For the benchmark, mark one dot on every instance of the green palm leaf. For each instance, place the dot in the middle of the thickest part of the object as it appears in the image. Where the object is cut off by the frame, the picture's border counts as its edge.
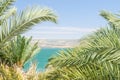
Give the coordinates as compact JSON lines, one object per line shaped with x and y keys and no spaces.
{"x":98,"y":59}
{"x":7,"y":15}
{"x":19,"y":51}
{"x":5,"y":5}
{"x":111,"y":18}
{"x":105,"y":71}
{"x":22,"y":22}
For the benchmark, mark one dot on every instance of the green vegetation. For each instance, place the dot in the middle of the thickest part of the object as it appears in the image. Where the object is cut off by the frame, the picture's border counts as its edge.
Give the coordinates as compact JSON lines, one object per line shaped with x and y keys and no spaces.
{"x":16,"y":50}
{"x":96,"y":58}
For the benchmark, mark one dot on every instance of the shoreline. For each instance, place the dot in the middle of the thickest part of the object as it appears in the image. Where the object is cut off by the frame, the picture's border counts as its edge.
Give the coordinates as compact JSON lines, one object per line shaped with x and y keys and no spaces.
{"x":59,"y":43}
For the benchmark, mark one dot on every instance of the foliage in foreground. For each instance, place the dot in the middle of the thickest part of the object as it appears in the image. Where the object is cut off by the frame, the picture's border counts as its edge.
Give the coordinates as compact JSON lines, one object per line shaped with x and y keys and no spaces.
{"x":97,"y":57}
{"x":16,"y":50}
{"x":13,"y":24}
{"x":19,"y":51}
{"x":16,"y":73}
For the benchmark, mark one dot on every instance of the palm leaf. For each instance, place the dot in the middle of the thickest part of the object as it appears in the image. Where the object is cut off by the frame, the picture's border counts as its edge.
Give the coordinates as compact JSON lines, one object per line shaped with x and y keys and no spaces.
{"x":5,"y":5}
{"x":22,"y":22}
{"x":9,"y":73}
{"x":111,"y":18}
{"x":19,"y":51}
{"x":98,"y":59}
{"x":104,"y":45}
{"x":10,"y":12}
{"x":93,"y":71}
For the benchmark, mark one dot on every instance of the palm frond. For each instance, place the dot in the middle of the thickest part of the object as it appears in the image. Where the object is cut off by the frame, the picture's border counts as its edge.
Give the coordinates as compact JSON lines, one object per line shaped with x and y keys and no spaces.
{"x":9,"y":73}
{"x":32,"y":74}
{"x":5,"y":5}
{"x":18,"y":51}
{"x":10,"y":12}
{"x":93,"y":71}
{"x":111,"y":18}
{"x":98,"y":59}
{"x":103,"y":45}
{"x":22,"y":22}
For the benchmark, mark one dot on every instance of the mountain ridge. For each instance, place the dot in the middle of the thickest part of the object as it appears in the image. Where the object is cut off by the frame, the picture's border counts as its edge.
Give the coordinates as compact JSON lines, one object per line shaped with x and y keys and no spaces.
{"x":56,"y":43}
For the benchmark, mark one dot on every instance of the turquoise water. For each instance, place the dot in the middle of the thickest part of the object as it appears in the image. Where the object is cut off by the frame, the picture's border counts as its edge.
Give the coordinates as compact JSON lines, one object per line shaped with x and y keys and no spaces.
{"x":42,"y":58}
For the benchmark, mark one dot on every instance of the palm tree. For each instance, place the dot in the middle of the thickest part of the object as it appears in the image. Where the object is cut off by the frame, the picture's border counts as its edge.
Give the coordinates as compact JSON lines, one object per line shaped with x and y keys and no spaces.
{"x":97,"y":59}
{"x":15,"y":49}
{"x":18,"y":51}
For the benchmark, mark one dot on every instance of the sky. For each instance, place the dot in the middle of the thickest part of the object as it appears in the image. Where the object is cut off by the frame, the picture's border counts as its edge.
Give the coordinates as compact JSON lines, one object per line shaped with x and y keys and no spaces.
{"x":76,"y":18}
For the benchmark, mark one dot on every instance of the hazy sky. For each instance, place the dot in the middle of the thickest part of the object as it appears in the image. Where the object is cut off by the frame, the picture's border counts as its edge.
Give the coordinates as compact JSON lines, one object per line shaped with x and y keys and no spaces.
{"x":75,"y":17}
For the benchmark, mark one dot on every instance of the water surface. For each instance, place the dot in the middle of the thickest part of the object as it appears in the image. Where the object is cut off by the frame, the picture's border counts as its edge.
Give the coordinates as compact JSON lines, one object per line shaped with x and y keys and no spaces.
{"x":42,"y":58}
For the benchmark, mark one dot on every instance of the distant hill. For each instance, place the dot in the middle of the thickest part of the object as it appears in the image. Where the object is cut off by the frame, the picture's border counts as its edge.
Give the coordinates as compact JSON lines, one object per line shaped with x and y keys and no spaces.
{"x":58,"y":43}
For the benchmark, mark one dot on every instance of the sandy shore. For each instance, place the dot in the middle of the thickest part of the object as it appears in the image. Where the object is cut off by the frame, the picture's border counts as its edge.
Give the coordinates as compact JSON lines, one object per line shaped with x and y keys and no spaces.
{"x":56,"y":43}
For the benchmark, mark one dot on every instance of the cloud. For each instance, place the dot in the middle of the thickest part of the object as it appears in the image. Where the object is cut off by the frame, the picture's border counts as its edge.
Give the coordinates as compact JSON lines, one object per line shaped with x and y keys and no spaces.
{"x":62,"y":30}
{"x":56,"y":32}
{"x":48,"y":32}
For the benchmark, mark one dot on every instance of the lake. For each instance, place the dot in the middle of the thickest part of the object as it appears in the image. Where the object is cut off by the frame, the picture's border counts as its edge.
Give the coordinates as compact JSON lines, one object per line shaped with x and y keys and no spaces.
{"x":42,"y":58}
